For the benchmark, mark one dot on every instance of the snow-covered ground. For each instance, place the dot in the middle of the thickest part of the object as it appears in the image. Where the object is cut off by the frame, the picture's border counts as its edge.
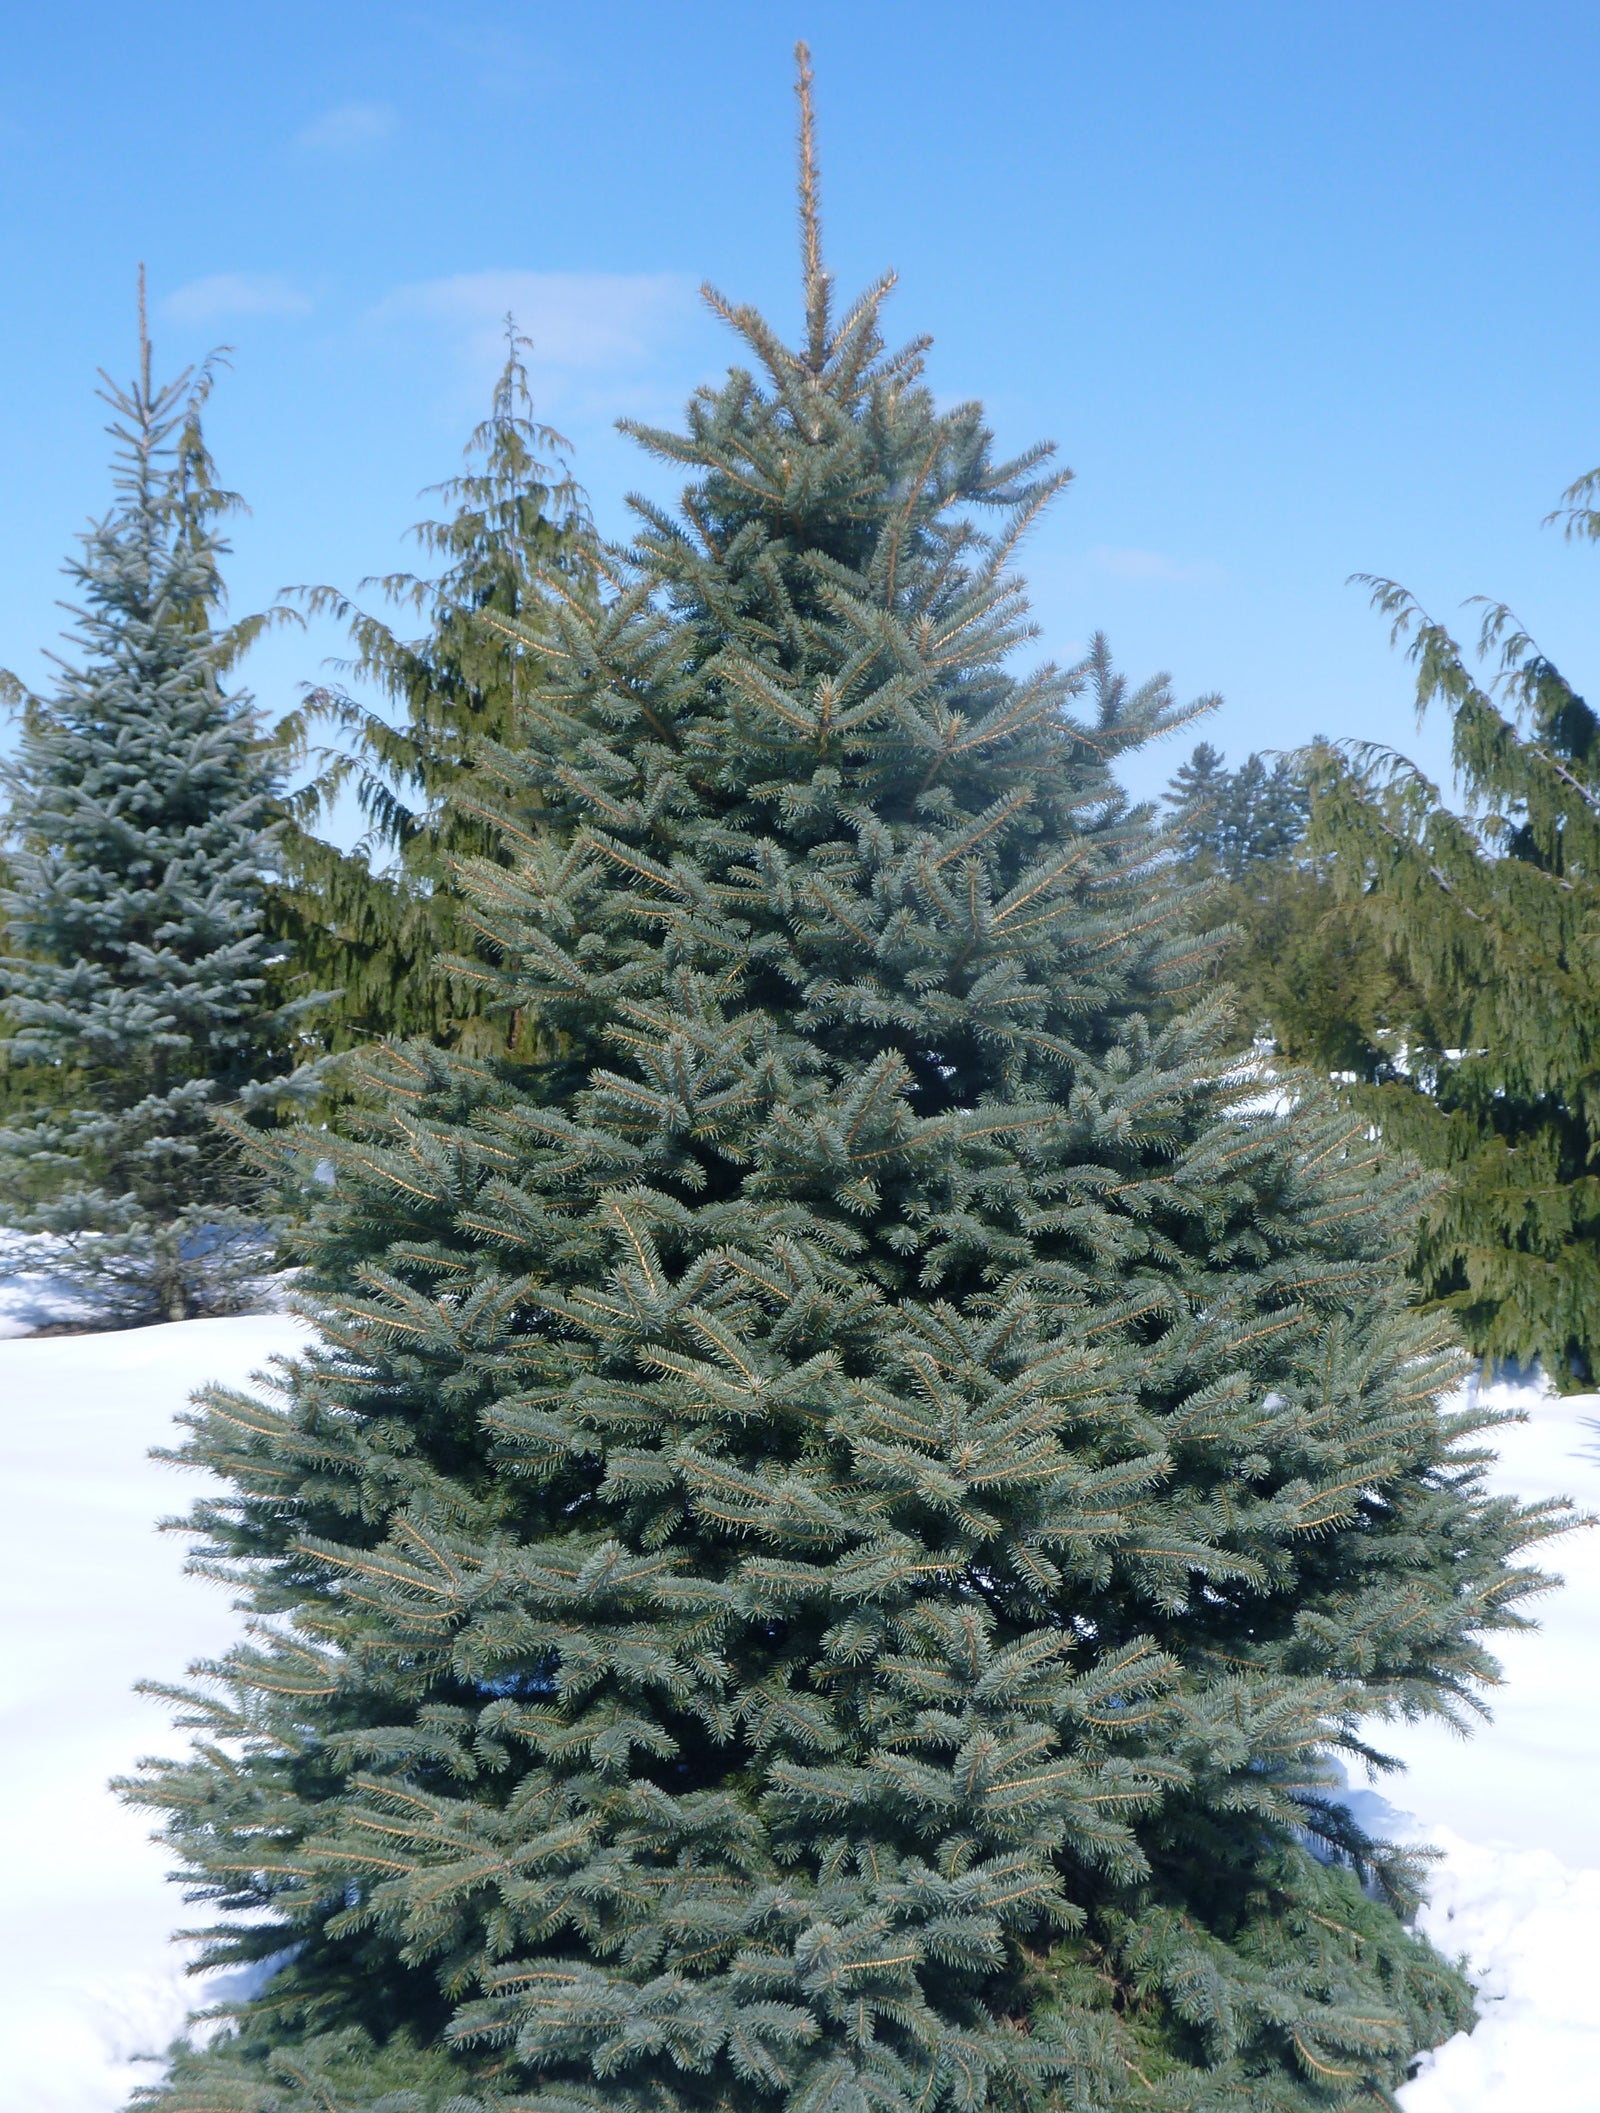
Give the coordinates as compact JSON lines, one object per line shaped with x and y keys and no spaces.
{"x":92,"y":1599}
{"x":1516,"y":1810}
{"x":31,"y":1294}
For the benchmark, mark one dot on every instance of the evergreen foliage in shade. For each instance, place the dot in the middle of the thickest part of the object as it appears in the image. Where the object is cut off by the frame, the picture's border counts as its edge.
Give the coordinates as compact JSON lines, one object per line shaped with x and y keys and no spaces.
{"x":1231,"y":820}
{"x":1193,"y":792}
{"x":140,"y":994}
{"x":1494,"y":916}
{"x":838,"y":1513}
{"x":1313,"y":972}
{"x":381,"y":937}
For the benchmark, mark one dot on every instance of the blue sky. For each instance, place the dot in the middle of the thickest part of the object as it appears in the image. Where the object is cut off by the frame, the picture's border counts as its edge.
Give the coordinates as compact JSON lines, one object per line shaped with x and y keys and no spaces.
{"x":1300,"y":290}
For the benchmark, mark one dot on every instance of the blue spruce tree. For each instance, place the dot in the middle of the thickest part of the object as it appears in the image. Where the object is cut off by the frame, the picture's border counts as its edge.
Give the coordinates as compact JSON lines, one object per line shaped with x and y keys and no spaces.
{"x":139,"y":996}
{"x":839,"y":1517}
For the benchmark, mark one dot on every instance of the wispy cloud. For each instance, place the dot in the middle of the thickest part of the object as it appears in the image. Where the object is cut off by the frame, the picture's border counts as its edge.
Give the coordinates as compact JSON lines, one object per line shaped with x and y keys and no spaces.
{"x":502,"y":60}
{"x":234,"y":293}
{"x":605,"y":345}
{"x":1153,"y":566}
{"x":349,"y":129}
{"x":581,"y":321}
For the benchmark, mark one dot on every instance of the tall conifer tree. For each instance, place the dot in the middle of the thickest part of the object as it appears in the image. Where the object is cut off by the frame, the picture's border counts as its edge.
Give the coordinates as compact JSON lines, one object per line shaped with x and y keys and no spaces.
{"x":1312,"y":970}
{"x":1230,"y":821}
{"x":377,"y":924}
{"x":138,"y":987}
{"x":838,"y":1516}
{"x":1492,"y":1070}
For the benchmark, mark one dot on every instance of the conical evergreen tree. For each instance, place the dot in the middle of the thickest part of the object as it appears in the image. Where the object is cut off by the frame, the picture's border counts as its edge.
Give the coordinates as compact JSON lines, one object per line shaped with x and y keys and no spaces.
{"x":1492,"y":1070}
{"x":1193,"y":793}
{"x":1312,"y":970}
{"x":836,"y":1519}
{"x":138,"y":987}
{"x":377,"y":924}
{"x":1229,"y":821}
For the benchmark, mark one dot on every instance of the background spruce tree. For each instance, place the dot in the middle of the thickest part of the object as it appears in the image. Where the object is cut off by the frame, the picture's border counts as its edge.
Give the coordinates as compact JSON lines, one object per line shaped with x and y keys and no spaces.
{"x":1229,"y":821}
{"x":377,"y":924}
{"x":1493,"y":1058}
{"x":839,"y":1516}
{"x":1194,"y":792}
{"x":1312,"y":970}
{"x":138,"y":986}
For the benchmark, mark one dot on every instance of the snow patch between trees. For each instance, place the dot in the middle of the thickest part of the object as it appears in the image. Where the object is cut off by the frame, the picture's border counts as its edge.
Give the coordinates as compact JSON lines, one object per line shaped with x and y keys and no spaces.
{"x":92,"y":1599}
{"x":89,"y":1983}
{"x":1530,"y":1927}
{"x":33,"y":1293}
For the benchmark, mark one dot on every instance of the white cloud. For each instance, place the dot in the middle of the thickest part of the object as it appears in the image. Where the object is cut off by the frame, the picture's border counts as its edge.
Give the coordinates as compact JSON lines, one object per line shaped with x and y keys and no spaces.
{"x":582,"y":322}
{"x":1151,"y":565}
{"x":349,"y":128}
{"x":230,"y":293}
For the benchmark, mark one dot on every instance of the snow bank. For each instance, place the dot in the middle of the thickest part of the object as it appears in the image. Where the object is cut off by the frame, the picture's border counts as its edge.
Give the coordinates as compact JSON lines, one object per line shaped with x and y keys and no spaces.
{"x":1530,"y":1780}
{"x":1516,"y":1810}
{"x":31,"y":1294}
{"x":1529,"y":1926}
{"x":93,"y":1599}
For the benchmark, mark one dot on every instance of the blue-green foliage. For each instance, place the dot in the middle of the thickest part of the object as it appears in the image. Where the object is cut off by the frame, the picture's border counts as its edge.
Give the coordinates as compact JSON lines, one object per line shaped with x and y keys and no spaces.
{"x":136,"y":985}
{"x":836,"y":1521}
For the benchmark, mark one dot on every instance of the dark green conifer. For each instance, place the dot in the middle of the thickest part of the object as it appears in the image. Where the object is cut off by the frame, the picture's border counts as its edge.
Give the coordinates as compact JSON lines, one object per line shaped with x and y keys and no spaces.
{"x":1230,"y":821}
{"x":139,"y":992}
{"x":838,"y":1517}
{"x":1193,"y":793}
{"x":1313,"y":972}
{"x":378,"y":923}
{"x":1493,"y":1051}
